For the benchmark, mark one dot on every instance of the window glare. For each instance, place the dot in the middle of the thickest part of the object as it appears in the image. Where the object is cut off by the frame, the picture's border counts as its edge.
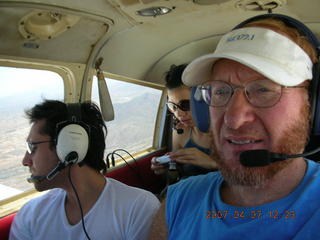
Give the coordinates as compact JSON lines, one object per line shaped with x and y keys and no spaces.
{"x":135,"y":109}
{"x":20,"y":89}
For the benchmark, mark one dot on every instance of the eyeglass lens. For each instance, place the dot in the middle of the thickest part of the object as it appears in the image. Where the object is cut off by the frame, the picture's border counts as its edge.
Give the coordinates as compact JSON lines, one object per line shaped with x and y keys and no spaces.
{"x":260,"y":93}
{"x":31,"y":145}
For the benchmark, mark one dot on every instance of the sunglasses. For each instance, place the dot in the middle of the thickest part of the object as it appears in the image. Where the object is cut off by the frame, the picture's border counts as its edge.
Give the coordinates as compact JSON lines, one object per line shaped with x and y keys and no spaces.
{"x":31,"y":146}
{"x":183,"y":105}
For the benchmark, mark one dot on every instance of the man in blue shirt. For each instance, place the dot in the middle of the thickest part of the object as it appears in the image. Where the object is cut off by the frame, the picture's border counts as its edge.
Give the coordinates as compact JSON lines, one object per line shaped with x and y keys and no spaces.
{"x":256,"y":83}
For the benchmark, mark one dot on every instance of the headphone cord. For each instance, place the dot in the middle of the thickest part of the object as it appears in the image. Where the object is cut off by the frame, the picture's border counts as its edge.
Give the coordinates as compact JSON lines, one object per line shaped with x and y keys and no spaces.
{"x":129,"y":165}
{"x":78,"y":199}
{"x":136,"y":171}
{"x":120,"y":149}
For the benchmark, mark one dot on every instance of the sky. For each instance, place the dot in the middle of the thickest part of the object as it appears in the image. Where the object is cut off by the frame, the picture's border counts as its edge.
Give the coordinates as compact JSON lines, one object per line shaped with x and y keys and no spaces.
{"x":17,"y":80}
{"x":21,"y":83}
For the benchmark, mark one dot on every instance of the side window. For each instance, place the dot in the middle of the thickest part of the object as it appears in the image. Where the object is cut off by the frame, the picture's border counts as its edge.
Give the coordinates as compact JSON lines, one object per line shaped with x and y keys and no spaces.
{"x":135,"y":109}
{"x":20,"y":89}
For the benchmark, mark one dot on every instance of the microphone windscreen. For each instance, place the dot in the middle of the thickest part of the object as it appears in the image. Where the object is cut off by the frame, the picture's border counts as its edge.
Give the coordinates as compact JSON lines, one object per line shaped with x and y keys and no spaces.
{"x":179,"y":131}
{"x":34,"y":179}
{"x":255,"y":158}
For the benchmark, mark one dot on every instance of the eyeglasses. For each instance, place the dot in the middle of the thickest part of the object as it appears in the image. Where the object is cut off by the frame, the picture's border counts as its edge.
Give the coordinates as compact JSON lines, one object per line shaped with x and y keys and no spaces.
{"x":260,"y":93}
{"x":32,"y":145}
{"x":183,"y":105}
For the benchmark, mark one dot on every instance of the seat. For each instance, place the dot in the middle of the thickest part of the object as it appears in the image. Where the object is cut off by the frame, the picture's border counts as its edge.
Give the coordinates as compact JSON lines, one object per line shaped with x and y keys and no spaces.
{"x":5,"y":225}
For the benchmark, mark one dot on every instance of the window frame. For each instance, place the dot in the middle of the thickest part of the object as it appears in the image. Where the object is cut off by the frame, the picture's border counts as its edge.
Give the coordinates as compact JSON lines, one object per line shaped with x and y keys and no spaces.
{"x":160,"y":124}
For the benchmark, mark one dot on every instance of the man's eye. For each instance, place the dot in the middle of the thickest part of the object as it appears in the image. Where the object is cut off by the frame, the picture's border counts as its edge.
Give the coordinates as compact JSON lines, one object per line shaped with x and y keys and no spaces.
{"x":220,"y":92}
{"x":33,"y":149}
{"x":263,"y":89}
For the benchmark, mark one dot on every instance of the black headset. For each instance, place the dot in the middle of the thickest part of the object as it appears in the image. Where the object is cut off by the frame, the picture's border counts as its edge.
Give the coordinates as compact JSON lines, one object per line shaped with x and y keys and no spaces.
{"x":314,"y":88}
{"x":72,"y":137}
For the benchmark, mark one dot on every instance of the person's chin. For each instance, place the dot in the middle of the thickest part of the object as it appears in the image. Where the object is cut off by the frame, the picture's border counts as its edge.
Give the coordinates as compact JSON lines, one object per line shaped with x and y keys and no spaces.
{"x":42,"y":186}
{"x":39,"y":187}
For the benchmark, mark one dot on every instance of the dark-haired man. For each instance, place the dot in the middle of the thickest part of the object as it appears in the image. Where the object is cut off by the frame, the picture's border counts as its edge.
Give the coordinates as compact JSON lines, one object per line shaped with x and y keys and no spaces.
{"x":65,"y":154}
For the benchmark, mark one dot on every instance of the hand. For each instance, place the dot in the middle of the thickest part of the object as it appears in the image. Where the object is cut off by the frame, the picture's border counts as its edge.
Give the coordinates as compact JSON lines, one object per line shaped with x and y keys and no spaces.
{"x":195,"y":157}
{"x":158,"y":168}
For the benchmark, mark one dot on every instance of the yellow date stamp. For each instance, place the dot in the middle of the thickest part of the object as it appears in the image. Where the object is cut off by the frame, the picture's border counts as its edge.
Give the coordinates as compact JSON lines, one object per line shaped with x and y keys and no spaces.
{"x":255,"y":214}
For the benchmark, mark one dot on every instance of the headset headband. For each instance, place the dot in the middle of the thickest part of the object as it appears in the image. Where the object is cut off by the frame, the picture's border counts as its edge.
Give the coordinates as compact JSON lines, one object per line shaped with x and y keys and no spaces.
{"x":291,"y":22}
{"x":74,"y":112}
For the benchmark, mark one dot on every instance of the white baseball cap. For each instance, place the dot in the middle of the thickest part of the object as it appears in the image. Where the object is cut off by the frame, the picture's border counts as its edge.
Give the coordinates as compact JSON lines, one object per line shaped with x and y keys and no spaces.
{"x":273,"y":55}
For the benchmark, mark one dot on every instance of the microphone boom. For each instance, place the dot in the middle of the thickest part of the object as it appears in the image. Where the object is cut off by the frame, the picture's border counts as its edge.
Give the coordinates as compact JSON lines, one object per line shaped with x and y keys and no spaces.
{"x":262,"y":157}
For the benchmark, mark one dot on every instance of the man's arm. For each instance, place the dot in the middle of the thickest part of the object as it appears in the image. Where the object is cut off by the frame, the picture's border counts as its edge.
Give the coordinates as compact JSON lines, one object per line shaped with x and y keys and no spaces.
{"x":159,"y":229}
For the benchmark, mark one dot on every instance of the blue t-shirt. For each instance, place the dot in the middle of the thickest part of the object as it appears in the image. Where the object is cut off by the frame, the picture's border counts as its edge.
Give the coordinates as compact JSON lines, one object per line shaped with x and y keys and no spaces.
{"x":194,"y":210}
{"x":190,"y":169}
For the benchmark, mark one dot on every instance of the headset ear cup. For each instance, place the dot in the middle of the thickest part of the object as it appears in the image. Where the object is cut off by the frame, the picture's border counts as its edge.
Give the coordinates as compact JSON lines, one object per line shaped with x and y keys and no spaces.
{"x":72,"y":144}
{"x":199,"y":110}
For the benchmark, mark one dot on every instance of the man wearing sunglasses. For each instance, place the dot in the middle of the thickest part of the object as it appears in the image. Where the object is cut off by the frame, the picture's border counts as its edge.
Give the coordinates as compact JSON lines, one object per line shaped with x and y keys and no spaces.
{"x":256,"y":84}
{"x":67,"y":157}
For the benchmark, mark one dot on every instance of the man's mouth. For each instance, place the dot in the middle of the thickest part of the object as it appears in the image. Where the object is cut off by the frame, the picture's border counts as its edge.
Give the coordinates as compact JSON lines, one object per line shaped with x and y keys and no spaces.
{"x":242,"y":142}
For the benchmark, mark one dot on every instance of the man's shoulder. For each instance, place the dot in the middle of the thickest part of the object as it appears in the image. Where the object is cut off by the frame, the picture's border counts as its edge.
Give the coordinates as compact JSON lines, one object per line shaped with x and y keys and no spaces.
{"x":313,"y":168}
{"x":312,"y":163}
{"x":198,"y":179}
{"x":42,"y":204}
{"x":196,"y":184}
{"x":46,"y":198}
{"x":126,"y":192}
{"x":186,"y":194}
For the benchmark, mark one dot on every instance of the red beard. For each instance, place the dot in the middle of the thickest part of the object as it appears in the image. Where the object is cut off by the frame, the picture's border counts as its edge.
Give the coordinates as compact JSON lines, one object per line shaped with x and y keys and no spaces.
{"x":293,"y":141}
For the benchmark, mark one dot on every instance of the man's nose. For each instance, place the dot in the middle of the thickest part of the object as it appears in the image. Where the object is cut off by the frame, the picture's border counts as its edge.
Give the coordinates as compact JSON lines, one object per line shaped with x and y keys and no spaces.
{"x":179,"y":112}
{"x":27,"y":161}
{"x":238,"y":110}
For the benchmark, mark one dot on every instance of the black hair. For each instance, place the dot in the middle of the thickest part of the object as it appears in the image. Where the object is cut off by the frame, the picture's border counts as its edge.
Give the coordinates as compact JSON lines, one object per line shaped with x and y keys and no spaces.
{"x":173,"y":76}
{"x":54,"y":112}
